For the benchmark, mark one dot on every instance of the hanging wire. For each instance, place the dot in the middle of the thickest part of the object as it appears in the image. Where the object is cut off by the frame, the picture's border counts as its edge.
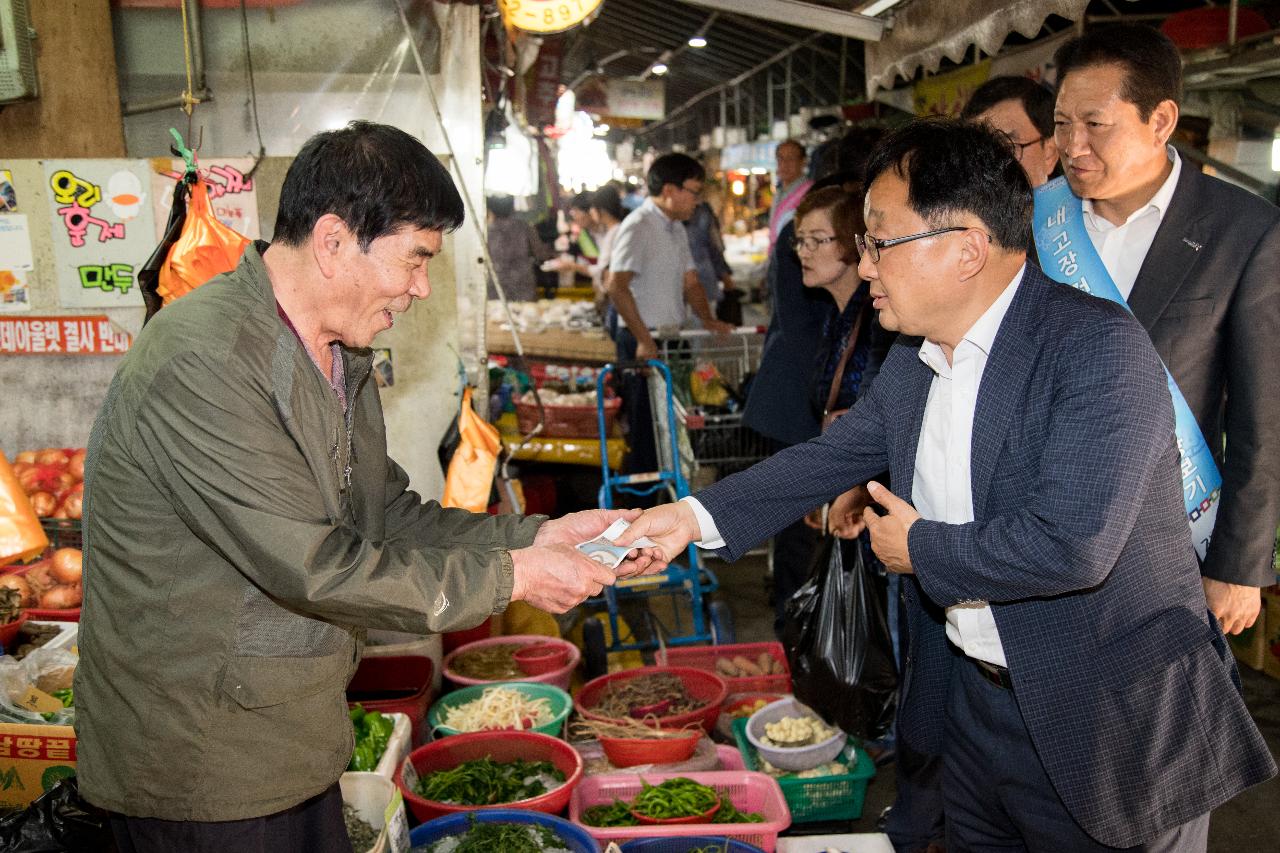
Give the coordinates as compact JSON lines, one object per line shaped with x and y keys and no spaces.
{"x":253,"y":90}
{"x":189,"y":99}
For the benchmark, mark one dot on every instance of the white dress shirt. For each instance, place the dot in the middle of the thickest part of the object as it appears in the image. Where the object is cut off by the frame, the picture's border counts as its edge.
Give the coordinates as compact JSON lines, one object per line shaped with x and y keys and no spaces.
{"x":1124,"y":247}
{"x":943,"y":489}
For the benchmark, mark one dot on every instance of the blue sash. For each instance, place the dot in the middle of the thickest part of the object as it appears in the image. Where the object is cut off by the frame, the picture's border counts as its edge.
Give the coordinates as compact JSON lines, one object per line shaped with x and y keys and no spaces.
{"x":1067,"y":255}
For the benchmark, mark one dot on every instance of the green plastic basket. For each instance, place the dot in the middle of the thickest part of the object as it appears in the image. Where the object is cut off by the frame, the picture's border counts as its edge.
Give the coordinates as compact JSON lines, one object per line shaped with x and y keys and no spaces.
{"x":561,"y":705}
{"x":823,"y":797}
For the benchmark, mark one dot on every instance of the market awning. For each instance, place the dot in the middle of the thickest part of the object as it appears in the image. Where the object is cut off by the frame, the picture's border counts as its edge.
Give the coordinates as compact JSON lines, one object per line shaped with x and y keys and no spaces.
{"x":922,"y":38}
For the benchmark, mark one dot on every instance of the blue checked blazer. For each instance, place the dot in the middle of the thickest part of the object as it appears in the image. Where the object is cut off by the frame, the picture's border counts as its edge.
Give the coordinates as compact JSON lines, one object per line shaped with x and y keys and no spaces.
{"x":1080,"y":544}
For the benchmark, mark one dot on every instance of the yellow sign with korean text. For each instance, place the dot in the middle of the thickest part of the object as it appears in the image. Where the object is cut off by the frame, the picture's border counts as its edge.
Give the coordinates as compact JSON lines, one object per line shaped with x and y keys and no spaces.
{"x":946,"y":94}
{"x":547,"y":16}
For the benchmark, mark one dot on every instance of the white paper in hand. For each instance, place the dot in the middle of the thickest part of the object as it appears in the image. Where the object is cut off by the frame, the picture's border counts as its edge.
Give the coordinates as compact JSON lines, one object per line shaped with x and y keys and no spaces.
{"x":602,"y":550}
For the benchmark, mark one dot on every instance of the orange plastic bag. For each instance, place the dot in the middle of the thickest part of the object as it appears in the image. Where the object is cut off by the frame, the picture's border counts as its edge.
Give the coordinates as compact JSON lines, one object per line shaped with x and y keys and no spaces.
{"x":21,"y":536}
{"x":205,"y":248}
{"x":470,"y":477}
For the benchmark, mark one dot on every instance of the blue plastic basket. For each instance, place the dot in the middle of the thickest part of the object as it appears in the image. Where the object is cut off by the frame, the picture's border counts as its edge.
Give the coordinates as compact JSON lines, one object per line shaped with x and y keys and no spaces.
{"x":685,"y":845}
{"x":575,"y":837}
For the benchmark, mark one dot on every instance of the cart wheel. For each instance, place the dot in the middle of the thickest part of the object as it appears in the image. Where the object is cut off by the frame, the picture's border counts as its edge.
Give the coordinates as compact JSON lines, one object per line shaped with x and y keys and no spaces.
{"x":721,"y":623}
{"x":594,"y":654}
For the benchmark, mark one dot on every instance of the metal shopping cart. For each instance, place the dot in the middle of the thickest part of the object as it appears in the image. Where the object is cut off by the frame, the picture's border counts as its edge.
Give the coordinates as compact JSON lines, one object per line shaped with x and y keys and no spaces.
{"x":688,"y":433}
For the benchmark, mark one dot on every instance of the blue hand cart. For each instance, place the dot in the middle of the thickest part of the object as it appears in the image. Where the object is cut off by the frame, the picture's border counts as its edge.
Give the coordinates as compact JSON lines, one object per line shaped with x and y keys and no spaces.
{"x":696,"y":618}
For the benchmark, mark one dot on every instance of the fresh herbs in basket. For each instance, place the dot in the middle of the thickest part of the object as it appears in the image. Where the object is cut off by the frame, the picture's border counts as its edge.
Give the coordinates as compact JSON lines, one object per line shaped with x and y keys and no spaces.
{"x":496,"y":837}
{"x":373,"y":733}
{"x":485,"y":782}
{"x":675,"y":798}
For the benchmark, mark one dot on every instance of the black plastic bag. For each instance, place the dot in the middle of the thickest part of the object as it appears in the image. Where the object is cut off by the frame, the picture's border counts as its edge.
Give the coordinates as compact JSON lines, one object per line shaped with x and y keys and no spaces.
{"x":838,"y":644}
{"x":58,"y":821}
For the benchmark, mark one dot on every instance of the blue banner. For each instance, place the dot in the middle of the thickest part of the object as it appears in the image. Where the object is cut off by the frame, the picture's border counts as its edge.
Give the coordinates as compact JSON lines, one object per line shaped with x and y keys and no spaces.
{"x":1067,"y":255}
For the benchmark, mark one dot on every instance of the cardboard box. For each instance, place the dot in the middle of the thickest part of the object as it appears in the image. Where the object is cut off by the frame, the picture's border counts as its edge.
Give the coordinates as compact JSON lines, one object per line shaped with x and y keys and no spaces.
{"x":1271,"y":632}
{"x":32,"y":759}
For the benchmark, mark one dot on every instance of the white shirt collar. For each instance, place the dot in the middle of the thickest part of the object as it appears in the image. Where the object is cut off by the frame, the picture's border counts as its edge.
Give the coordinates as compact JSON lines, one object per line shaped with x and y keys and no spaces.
{"x":1158,"y":202}
{"x":652,"y":207}
{"x":982,"y":334}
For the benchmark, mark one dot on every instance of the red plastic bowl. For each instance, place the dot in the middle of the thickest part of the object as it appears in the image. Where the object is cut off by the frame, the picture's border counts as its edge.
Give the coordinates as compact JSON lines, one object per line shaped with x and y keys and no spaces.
{"x":632,"y":751}
{"x":541,"y":658}
{"x":702,"y":686}
{"x":10,"y":630}
{"x":447,"y":753}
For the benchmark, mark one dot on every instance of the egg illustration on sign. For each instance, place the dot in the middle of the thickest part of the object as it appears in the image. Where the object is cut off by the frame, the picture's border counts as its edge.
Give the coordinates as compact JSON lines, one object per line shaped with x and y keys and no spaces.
{"x":124,"y":195}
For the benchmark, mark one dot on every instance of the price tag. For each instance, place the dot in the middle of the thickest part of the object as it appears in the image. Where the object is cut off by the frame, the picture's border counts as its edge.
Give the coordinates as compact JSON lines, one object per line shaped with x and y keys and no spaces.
{"x":39,"y":702}
{"x":396,"y":824}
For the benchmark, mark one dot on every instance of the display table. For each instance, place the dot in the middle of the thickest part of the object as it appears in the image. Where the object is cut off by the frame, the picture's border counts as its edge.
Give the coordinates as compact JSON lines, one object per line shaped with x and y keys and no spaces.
{"x":591,"y":346}
{"x":573,"y":451}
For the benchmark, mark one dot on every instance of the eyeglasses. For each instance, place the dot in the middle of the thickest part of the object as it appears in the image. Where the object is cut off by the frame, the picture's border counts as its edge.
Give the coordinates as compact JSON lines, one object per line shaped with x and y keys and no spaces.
{"x":694,"y":193}
{"x":1019,"y":148}
{"x":810,"y":244}
{"x":868,"y":245}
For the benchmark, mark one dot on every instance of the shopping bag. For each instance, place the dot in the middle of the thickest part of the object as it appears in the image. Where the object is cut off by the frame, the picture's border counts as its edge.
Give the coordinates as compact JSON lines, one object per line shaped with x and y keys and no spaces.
{"x":838,"y":645}
{"x":469,"y":480}
{"x":58,"y":820}
{"x":204,"y":249}
{"x":21,"y":536}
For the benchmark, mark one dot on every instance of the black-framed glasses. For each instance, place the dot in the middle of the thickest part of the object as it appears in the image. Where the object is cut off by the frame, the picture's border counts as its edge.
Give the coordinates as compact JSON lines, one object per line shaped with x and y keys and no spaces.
{"x":1020,"y":148}
{"x":810,"y":244}
{"x":868,"y":245}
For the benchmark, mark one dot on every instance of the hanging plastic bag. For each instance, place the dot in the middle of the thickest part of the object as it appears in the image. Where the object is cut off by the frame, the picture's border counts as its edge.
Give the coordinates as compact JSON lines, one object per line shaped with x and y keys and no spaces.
{"x":469,"y":480}
{"x":148,"y":275}
{"x":205,"y":248}
{"x":21,"y":536}
{"x":838,"y":644}
{"x":59,"y":820}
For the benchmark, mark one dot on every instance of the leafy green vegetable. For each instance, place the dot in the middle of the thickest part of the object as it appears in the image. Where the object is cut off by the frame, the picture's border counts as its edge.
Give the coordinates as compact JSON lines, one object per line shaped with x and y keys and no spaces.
{"x":373,"y":734}
{"x":677,"y":797}
{"x":504,"y":838}
{"x":485,"y":782}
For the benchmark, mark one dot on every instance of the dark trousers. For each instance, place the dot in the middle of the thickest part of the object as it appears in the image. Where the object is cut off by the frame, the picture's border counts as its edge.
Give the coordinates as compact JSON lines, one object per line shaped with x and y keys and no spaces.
{"x":642,"y":452}
{"x":996,"y":793}
{"x":314,"y":826}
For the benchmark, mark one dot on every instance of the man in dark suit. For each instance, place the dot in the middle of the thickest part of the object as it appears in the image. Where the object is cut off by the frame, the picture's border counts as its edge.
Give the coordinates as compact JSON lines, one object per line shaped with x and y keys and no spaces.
{"x":1197,"y":260}
{"x":1062,"y":659}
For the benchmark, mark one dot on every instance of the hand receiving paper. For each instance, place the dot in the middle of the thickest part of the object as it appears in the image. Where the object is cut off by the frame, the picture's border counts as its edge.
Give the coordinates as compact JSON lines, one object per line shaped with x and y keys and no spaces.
{"x":579,"y":527}
{"x":671,"y":526}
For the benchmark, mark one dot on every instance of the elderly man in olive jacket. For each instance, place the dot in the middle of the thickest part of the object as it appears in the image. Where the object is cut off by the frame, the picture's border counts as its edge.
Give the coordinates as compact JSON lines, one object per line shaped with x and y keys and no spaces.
{"x":244,"y":524}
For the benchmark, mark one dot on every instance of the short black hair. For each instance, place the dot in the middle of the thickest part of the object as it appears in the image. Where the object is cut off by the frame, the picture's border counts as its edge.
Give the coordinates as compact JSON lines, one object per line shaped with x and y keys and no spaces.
{"x":607,"y":199}
{"x":1036,"y":100}
{"x":376,"y":178}
{"x":581,"y":201}
{"x":953,"y":166}
{"x":1151,"y":62}
{"x":853,"y":150}
{"x":501,"y":206}
{"x":804,"y":153}
{"x":674,"y":168}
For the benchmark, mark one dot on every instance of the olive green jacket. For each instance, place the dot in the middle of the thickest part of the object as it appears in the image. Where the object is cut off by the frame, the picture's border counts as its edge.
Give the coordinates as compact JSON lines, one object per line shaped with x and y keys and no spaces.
{"x":232,"y":563}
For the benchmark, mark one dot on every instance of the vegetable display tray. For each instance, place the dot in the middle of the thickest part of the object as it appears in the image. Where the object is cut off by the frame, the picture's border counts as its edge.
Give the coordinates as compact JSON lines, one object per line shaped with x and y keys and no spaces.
{"x":705,"y":657}
{"x":441,"y":828}
{"x":821,"y":798}
{"x":749,"y":792}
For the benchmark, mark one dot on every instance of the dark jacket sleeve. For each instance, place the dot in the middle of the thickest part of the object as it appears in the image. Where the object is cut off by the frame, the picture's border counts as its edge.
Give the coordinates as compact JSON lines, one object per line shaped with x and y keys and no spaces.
{"x":1242,"y":549}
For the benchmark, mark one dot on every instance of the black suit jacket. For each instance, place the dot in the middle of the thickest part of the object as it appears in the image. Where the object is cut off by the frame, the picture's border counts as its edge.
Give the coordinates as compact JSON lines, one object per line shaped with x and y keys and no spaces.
{"x":1209,"y":295}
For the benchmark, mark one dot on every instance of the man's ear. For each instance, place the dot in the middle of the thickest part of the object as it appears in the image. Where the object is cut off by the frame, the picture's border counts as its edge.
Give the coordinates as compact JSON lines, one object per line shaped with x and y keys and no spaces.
{"x":329,"y":239}
{"x":1163,"y":121}
{"x":975,"y":248}
{"x":1050,"y":150}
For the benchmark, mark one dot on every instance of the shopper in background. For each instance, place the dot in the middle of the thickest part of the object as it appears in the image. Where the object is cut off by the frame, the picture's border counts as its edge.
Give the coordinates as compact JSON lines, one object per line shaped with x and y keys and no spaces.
{"x":1022,"y":110}
{"x":1062,"y":660}
{"x":586,"y":244}
{"x":1196,"y":258}
{"x":651,"y":279}
{"x":243,"y":524}
{"x":514,"y":248}
{"x":791,"y":186}
{"x":706,"y":244}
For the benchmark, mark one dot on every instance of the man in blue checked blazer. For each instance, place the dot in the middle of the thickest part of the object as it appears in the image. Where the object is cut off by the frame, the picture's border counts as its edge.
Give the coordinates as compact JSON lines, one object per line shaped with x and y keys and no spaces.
{"x":1062,"y":661}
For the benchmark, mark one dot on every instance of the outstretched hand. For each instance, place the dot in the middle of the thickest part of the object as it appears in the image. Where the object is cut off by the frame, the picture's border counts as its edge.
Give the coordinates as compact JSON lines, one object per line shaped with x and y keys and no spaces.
{"x":889,"y":532}
{"x":578,"y":527}
{"x":672,"y":526}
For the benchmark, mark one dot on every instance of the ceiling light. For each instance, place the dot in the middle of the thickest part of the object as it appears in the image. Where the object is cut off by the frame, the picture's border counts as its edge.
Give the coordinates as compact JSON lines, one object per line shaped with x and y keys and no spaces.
{"x":658,"y":69}
{"x":697,"y":41}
